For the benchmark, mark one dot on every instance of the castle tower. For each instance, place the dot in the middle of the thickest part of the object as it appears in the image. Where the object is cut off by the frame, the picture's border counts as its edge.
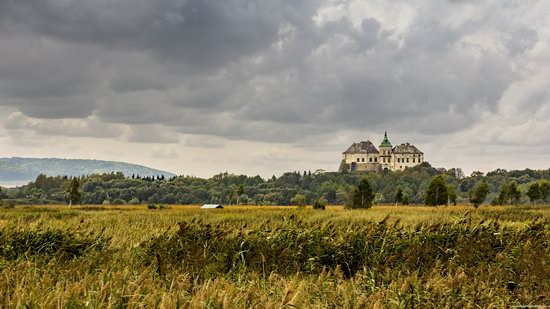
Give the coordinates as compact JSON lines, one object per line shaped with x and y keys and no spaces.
{"x":386,"y":153}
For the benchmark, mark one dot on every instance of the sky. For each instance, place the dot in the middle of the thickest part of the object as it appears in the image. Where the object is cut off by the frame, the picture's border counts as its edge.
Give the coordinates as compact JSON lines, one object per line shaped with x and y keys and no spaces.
{"x":198,"y":87}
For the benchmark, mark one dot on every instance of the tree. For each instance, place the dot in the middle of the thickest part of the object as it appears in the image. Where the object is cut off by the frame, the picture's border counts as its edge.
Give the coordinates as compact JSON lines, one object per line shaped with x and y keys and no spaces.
{"x":534,"y":192}
{"x":514,"y":194}
{"x":452,"y":195}
{"x":298,"y":200}
{"x":405,"y":200}
{"x":74,"y":194}
{"x":362,"y":196}
{"x":437,"y":193}
{"x":504,"y":194}
{"x":240,"y":191}
{"x":479,"y":194}
{"x":399,"y":196}
{"x":544,"y":187}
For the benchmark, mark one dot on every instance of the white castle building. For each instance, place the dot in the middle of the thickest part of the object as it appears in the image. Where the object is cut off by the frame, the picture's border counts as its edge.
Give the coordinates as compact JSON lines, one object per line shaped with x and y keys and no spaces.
{"x":364,"y":156}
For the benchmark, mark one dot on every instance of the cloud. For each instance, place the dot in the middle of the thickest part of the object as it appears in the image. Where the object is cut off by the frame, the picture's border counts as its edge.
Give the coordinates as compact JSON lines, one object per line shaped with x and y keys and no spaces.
{"x":89,"y":127}
{"x":150,"y":134}
{"x":285,"y":72}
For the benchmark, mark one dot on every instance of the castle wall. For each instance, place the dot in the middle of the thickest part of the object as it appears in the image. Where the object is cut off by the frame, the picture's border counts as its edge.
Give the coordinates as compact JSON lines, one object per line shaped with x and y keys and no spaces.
{"x":404,"y":160}
{"x":365,"y":167}
{"x":359,"y":158}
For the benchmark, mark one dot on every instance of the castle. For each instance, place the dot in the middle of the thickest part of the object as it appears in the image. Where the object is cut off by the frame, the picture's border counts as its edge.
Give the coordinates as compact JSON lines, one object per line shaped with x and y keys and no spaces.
{"x":364,"y":156}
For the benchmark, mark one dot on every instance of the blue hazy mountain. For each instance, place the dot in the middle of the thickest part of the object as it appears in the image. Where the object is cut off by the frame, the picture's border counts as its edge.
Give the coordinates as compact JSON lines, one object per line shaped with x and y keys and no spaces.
{"x":16,"y":171}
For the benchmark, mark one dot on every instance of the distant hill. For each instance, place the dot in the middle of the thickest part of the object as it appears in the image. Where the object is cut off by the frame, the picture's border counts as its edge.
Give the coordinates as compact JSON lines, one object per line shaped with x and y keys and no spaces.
{"x":17,"y":171}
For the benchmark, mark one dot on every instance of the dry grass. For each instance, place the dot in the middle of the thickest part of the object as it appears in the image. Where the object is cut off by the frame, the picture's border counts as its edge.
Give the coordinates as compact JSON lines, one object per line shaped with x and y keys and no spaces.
{"x":265,"y":256}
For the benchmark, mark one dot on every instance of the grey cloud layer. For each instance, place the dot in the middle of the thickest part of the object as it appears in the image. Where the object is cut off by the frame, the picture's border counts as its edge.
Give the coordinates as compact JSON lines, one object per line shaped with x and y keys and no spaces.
{"x":262,"y":70}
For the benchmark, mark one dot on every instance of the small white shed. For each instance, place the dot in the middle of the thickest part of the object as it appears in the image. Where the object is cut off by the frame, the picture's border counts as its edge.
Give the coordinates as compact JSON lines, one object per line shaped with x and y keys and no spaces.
{"x":211,"y":206}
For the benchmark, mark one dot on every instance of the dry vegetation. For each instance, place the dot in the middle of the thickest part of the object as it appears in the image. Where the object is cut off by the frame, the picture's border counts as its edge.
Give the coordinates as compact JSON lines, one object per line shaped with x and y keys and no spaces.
{"x":274,"y":257}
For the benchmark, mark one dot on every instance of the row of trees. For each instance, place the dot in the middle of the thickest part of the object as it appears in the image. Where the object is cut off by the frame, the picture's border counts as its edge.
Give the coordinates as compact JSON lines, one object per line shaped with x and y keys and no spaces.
{"x":439,"y":193}
{"x":418,"y":185}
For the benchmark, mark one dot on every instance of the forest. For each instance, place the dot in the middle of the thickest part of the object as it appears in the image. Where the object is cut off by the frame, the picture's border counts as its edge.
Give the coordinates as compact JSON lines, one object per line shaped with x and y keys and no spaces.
{"x":334,"y":188}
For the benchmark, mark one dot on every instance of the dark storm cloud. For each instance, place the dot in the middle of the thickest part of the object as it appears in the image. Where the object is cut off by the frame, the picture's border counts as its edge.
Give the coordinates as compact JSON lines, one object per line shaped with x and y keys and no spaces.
{"x":201,"y":33}
{"x":256,"y":70}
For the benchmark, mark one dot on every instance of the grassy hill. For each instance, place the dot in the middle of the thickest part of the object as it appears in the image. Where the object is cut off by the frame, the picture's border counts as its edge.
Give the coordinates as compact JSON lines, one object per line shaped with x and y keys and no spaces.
{"x":22,"y":170}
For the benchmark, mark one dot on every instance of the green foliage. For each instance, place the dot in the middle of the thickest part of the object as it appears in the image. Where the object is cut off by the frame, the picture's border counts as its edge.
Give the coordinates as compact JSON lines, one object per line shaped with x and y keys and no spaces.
{"x":362,"y":196}
{"x":544,"y":187}
{"x":118,"y":201}
{"x":534,"y":192}
{"x":239,"y":193}
{"x":225,"y":188}
{"x":3,"y":194}
{"x":405,"y":200}
{"x":514,"y":193}
{"x":320,"y":204}
{"x":29,"y":243}
{"x":479,"y":194}
{"x":298,"y":200}
{"x":437,"y":193}
{"x":134,"y":201}
{"x":504,"y":195}
{"x":509,"y":194}
{"x":399,"y":196}
{"x":451,"y":193}
{"x":74,"y":195}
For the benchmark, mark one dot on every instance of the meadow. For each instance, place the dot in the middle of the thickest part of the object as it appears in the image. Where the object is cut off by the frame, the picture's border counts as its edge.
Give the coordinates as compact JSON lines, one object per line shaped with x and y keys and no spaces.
{"x":274,"y":257}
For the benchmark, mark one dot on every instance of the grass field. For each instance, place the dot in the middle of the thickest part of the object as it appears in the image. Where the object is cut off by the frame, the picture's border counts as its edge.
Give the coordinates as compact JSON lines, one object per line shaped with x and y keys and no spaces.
{"x":273,"y":257}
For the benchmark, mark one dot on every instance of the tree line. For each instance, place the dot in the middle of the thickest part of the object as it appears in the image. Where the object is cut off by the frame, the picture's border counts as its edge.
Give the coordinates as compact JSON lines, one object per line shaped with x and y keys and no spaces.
{"x":422,"y":184}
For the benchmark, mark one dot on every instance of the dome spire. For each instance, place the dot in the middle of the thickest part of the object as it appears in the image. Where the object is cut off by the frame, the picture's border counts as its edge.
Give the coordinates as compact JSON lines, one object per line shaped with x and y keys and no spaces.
{"x":386,"y":141}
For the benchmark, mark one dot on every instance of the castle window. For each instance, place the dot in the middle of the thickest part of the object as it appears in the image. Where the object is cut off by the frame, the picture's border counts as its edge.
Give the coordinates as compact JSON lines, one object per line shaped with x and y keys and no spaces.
{"x":362,"y":159}
{"x":407,"y":160}
{"x":370,"y":159}
{"x":414,"y":160}
{"x":358,"y":160}
{"x":375,"y":159}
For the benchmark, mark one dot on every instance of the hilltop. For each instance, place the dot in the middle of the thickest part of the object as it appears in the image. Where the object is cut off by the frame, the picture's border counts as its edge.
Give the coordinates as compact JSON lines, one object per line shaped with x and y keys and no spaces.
{"x":16,"y":171}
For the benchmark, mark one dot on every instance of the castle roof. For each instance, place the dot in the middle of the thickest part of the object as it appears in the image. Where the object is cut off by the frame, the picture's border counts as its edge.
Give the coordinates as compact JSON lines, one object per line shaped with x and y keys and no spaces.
{"x":385,"y":141}
{"x":362,"y":147}
{"x":406,"y":148}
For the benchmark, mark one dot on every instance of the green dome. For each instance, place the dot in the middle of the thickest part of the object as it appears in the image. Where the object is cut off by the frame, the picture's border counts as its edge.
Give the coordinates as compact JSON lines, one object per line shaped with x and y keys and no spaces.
{"x":386,"y":141}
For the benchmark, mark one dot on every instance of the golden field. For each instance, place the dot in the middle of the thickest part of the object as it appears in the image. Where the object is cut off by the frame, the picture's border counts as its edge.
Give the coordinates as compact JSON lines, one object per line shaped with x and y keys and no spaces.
{"x":273,"y":257}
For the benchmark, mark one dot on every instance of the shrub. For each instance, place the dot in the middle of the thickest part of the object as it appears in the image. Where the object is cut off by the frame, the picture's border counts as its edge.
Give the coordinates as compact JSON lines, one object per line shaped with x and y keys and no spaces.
{"x":151,"y":206}
{"x":320,"y":203}
{"x":213,"y":250}
{"x":134,"y":201}
{"x":18,"y":243}
{"x":118,"y":201}
{"x":298,"y":200}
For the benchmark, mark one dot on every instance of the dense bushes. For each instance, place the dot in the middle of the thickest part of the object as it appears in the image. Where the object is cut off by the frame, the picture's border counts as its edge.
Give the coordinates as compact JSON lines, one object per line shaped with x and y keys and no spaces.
{"x":479,"y":249}
{"x":274,"y":257}
{"x":28,"y":243}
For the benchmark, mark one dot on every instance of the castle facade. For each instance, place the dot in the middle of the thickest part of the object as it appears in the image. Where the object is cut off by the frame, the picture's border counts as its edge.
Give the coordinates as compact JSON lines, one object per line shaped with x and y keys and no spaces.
{"x":364,"y":156}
